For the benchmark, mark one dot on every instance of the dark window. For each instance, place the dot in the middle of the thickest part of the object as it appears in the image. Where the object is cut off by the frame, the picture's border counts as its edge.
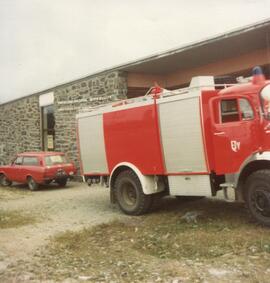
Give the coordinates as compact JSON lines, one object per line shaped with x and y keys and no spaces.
{"x":30,"y":161}
{"x":229,"y":111}
{"x":48,"y":122}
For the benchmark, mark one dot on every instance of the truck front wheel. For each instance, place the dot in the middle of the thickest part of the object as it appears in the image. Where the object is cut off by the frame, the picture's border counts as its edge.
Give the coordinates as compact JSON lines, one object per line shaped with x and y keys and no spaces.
{"x":129,"y":195}
{"x":258,"y":196}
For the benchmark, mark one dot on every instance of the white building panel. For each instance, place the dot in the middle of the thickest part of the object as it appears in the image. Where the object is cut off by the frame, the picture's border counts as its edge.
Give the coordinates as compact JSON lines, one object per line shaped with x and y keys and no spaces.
{"x":92,"y":146}
{"x":181,"y":135}
{"x":190,"y":185}
{"x":46,"y":99}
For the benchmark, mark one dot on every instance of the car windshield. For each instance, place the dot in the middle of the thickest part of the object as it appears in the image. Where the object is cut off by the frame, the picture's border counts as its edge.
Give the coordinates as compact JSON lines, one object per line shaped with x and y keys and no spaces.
{"x":55,"y":159}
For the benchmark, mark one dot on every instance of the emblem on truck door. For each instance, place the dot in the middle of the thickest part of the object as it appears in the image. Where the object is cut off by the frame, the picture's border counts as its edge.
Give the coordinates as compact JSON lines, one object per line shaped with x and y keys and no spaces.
{"x":235,"y":145}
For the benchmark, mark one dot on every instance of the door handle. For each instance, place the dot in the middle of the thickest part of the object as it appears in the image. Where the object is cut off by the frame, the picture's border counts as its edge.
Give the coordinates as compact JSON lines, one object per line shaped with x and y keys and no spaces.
{"x":219,"y":133}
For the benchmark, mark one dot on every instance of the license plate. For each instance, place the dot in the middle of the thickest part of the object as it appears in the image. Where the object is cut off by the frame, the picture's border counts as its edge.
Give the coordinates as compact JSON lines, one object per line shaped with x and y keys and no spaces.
{"x":61,"y":173}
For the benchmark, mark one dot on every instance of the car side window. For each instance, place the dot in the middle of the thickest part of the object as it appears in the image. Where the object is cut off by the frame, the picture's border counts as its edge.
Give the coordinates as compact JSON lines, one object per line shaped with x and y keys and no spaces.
{"x":18,"y":160}
{"x":30,"y":161}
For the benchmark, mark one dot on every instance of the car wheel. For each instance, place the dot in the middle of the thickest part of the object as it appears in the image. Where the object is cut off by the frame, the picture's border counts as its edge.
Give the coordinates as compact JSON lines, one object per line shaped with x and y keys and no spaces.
{"x":4,"y":181}
{"x":62,"y":182}
{"x":32,"y":184}
{"x":258,"y":196}
{"x":129,"y":195}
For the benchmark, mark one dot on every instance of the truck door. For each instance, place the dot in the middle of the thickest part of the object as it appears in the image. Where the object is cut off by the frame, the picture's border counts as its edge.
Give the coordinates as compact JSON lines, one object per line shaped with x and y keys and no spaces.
{"x":235,"y":132}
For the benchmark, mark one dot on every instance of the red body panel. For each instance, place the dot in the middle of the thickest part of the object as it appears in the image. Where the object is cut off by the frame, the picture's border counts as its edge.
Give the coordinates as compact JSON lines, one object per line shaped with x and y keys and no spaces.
{"x":245,"y":133}
{"x":40,"y":173}
{"x":220,"y":138}
{"x":207,"y":126}
{"x":132,"y":135}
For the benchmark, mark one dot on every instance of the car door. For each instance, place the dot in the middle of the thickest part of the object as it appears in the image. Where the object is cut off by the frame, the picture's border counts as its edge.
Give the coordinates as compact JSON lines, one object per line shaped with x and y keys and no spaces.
{"x":235,"y":132}
{"x":31,"y":167}
{"x":15,"y":169}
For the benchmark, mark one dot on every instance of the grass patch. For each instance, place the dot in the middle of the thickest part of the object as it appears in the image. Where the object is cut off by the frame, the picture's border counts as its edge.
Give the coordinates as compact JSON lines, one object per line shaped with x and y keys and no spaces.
{"x":13,"y":192}
{"x":14,"y":219}
{"x":140,"y":248}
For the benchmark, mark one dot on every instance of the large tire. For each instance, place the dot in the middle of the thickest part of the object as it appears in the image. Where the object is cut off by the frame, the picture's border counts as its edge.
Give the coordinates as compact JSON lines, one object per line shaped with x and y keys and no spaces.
{"x":4,"y":181}
{"x":129,"y":195}
{"x":32,"y":184}
{"x":258,"y":196}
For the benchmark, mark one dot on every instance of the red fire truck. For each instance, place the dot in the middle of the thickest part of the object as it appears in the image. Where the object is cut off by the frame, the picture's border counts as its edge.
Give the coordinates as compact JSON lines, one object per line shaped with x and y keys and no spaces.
{"x":187,"y":142}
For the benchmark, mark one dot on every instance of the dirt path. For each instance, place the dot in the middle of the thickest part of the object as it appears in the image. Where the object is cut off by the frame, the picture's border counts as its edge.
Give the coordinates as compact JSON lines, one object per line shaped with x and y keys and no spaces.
{"x":78,"y":206}
{"x":56,"y":210}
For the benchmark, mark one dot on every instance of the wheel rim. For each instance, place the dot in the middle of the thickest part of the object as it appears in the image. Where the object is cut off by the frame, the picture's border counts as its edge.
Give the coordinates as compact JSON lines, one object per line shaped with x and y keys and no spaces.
{"x":261,"y":202}
{"x":129,"y":195}
{"x":4,"y":181}
{"x":31,"y":184}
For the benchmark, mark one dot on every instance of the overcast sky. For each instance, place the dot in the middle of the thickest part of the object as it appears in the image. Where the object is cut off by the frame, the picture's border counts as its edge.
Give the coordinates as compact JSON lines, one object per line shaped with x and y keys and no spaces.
{"x":46,"y":43}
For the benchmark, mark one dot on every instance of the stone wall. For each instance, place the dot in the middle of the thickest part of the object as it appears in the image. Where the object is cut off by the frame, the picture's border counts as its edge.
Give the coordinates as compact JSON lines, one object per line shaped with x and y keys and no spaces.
{"x":69,"y":100}
{"x":19,"y":128}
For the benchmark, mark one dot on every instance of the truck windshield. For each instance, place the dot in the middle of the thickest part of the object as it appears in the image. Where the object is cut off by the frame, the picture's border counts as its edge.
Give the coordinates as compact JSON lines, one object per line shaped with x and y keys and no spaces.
{"x":55,"y":159}
{"x":265,"y":101}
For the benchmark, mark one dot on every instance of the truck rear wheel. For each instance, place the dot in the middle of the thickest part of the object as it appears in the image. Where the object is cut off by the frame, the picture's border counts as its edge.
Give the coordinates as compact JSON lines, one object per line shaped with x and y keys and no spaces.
{"x":129,"y":195}
{"x":258,"y":196}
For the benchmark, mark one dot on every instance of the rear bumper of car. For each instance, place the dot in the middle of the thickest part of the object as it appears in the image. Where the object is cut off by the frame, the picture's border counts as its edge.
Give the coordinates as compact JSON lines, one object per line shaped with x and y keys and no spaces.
{"x":59,"y":176}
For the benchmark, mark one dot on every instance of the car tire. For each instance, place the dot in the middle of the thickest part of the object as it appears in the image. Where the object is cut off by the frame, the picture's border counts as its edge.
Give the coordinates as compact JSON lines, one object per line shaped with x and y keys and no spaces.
{"x":258,"y":196}
{"x":32,"y":184}
{"x":62,"y":182}
{"x":129,"y":195}
{"x":4,"y":181}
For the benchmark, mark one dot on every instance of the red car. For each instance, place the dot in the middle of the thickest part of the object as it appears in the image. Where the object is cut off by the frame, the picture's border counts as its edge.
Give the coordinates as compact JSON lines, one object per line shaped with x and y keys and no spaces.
{"x":36,"y":168}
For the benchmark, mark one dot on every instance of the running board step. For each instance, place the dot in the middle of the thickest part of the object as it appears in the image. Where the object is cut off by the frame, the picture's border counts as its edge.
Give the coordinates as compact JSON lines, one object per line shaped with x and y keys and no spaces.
{"x":227,"y":185}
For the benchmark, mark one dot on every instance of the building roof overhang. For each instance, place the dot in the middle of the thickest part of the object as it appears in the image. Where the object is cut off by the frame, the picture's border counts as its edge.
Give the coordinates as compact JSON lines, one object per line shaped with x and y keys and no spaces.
{"x":223,"y":46}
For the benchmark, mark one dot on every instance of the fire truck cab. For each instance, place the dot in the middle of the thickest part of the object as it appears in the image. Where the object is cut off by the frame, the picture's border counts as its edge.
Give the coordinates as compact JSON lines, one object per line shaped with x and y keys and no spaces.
{"x":187,"y":142}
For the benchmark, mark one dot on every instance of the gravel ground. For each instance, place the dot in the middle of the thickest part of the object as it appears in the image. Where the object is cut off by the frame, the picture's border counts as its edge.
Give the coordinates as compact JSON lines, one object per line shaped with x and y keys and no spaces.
{"x":78,"y":206}
{"x":56,"y":209}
